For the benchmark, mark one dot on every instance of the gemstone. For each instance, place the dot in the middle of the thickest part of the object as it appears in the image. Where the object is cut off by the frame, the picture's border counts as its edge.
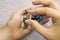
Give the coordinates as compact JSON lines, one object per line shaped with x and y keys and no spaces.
{"x":38,"y":17}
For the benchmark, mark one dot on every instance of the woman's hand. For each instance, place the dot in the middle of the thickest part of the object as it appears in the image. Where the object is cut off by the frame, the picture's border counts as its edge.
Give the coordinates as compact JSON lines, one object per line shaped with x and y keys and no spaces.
{"x":13,"y":27}
{"x":52,"y":10}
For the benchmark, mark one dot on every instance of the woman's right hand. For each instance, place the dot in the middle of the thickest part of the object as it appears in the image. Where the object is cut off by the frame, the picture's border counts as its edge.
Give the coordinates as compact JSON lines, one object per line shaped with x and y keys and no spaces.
{"x":53,"y":31}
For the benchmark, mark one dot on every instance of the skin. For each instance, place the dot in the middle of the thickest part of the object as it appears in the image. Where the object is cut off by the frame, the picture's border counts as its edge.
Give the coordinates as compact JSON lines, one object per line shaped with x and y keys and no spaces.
{"x":52,"y":10}
{"x":13,"y":30}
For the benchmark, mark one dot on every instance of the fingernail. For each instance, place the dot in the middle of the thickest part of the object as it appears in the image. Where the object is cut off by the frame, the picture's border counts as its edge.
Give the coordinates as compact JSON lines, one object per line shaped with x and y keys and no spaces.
{"x":28,"y":10}
{"x":28,"y":22}
{"x":34,"y":2}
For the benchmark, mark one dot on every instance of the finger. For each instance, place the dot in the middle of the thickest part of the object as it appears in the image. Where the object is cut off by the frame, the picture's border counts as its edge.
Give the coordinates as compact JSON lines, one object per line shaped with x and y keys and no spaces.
{"x":50,"y":3}
{"x":28,"y":29}
{"x":39,"y":28}
{"x":16,"y":22}
{"x":22,"y":11}
{"x":23,"y":32}
{"x":31,"y":7}
{"x":17,"y":18}
{"x":44,"y":11}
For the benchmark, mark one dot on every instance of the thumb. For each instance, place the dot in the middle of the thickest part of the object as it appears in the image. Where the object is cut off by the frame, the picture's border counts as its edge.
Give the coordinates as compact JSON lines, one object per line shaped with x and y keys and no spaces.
{"x":38,"y":27}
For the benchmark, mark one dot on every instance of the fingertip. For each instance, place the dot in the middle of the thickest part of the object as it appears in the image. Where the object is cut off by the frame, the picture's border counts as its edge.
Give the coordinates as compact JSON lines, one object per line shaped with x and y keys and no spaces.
{"x":21,"y":17}
{"x":31,"y":11}
{"x":28,"y":21}
{"x":35,"y":2}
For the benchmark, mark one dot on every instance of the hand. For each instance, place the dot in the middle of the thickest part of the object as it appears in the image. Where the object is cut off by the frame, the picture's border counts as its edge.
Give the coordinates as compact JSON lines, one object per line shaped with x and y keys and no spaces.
{"x":52,"y":10}
{"x":13,"y":29}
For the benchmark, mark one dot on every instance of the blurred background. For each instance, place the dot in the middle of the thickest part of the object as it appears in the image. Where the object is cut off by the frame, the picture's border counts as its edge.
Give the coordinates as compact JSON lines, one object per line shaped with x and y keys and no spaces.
{"x":8,"y":7}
